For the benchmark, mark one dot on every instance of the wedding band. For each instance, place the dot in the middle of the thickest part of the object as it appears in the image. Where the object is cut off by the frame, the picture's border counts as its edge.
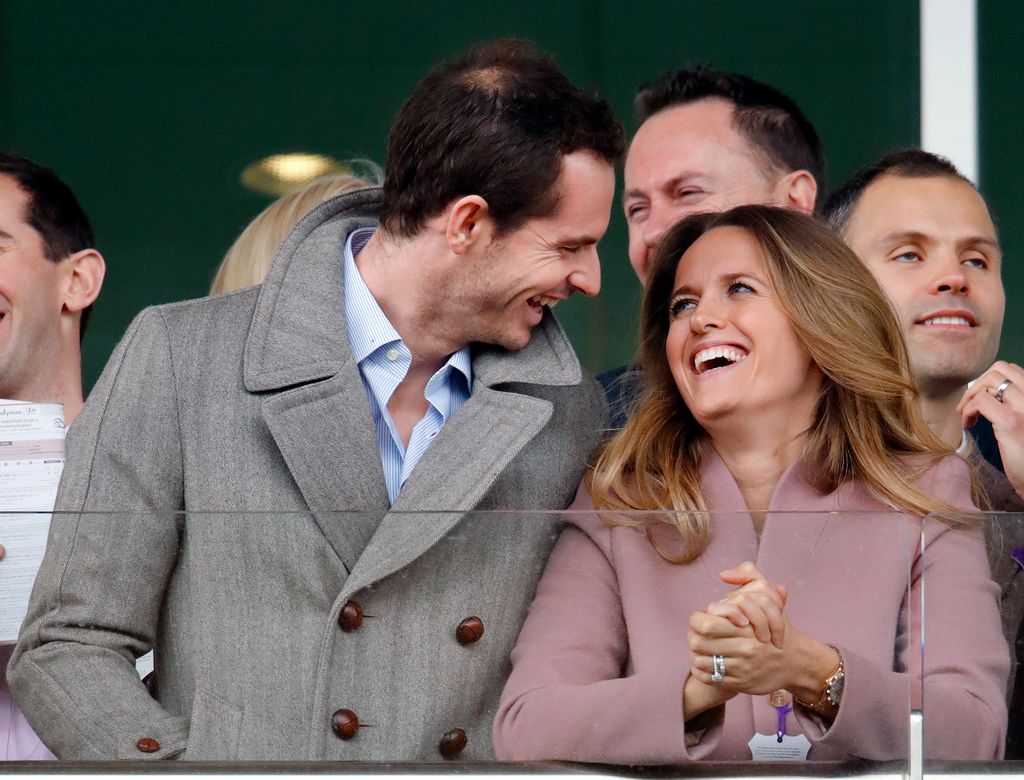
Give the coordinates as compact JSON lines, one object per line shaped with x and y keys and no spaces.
{"x":1002,"y":389}
{"x":718,"y":668}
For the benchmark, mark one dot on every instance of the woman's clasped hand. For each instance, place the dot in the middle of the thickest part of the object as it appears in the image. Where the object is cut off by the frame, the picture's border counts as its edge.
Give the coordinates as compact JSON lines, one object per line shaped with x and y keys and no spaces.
{"x":760,"y":651}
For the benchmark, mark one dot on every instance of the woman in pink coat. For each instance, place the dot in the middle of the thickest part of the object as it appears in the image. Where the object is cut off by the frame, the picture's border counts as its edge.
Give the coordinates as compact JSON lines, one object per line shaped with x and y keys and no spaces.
{"x":776,"y":381}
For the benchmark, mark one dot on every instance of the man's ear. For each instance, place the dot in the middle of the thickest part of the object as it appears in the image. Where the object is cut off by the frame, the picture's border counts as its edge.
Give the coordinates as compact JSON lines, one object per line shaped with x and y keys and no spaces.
{"x":469,"y":224}
{"x":83,"y":279}
{"x":798,"y":190}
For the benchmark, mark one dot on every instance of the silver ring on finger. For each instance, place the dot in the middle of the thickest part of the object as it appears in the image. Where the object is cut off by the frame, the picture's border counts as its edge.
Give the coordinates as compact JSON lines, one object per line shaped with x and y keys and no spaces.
{"x":998,"y":395}
{"x":717,"y":668}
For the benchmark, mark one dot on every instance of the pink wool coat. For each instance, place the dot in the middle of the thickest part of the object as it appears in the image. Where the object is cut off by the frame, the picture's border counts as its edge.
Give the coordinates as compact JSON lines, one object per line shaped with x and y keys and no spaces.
{"x":599,"y":668}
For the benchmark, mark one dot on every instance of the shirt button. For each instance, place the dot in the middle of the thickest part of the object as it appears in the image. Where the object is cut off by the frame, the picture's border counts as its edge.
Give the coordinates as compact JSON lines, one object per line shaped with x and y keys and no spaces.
{"x":391,"y":354}
{"x":147,"y":745}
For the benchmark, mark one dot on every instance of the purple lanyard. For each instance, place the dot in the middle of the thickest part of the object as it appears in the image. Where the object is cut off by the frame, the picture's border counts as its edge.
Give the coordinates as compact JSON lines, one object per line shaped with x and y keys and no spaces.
{"x":781,"y":700}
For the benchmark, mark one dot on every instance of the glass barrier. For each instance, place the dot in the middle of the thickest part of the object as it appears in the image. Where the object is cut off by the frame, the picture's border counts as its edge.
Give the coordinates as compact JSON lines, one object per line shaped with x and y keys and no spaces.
{"x":648,"y":643}
{"x":972,"y":689}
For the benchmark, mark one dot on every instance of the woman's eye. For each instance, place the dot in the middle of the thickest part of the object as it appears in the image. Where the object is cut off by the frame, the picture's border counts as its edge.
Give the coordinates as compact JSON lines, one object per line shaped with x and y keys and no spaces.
{"x":679,"y":305}
{"x":737,"y":287}
{"x":909,"y":256}
{"x":976,"y":262}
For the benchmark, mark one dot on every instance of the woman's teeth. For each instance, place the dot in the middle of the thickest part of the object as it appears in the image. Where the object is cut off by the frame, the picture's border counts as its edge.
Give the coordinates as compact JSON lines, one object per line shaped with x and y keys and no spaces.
{"x":716,"y":357}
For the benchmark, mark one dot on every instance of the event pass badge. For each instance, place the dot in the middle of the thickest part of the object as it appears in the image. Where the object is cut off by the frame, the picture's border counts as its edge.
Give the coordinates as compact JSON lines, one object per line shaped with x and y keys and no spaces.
{"x":779,"y":746}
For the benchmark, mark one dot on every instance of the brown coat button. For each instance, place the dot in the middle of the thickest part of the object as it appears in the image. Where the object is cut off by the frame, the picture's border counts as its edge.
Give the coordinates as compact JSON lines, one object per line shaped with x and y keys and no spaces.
{"x":469,"y":630}
{"x":147,"y":745}
{"x":345,"y":724}
{"x":452,"y":743}
{"x":351,"y":616}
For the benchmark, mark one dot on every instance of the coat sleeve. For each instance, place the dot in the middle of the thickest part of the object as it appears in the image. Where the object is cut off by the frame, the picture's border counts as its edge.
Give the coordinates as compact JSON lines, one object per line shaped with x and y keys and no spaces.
{"x":960,"y":674}
{"x":570,"y":695}
{"x":98,"y":593}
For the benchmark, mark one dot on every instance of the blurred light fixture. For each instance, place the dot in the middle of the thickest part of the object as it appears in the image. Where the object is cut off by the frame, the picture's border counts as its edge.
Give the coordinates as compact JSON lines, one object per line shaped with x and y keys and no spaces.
{"x":279,"y":174}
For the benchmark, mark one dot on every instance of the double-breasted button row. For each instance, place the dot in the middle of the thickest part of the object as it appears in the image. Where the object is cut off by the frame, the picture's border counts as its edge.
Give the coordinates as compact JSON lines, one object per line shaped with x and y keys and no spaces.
{"x":345,"y":724}
{"x":467,"y":632}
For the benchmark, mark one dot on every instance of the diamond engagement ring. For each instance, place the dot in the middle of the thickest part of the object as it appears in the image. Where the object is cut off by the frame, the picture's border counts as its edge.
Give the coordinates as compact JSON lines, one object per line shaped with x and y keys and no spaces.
{"x":1002,"y":389}
{"x":718,"y":668}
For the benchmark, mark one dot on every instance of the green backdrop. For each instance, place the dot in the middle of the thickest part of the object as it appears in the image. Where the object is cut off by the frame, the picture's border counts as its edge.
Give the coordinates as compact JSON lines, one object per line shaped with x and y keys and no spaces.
{"x":150,"y":111}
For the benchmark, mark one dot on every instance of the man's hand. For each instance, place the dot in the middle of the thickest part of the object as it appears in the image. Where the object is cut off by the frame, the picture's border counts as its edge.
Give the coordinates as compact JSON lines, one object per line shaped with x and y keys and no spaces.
{"x":1006,"y":415}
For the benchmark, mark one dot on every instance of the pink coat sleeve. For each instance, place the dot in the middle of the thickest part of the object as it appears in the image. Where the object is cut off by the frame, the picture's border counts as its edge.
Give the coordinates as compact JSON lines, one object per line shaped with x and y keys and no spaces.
{"x":965,"y":660}
{"x":567,"y":698}
{"x":18,"y":742}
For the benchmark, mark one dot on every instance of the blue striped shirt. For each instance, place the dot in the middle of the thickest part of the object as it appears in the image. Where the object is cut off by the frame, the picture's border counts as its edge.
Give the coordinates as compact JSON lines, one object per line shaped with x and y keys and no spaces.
{"x":384,"y":360}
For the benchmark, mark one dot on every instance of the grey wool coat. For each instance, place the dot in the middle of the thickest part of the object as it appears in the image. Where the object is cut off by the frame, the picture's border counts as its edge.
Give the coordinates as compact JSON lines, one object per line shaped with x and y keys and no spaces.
{"x":251,"y":403}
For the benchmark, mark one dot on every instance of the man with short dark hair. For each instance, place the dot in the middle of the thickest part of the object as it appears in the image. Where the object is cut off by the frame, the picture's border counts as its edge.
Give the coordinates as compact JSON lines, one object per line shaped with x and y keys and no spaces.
{"x":926,"y":234}
{"x":50,"y":274}
{"x":709,"y":140}
{"x":406,"y":375}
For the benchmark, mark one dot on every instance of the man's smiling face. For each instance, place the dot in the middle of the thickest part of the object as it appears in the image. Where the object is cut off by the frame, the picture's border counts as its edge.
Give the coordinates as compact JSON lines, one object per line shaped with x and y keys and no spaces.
{"x":931,"y":245}
{"x":30,"y":298}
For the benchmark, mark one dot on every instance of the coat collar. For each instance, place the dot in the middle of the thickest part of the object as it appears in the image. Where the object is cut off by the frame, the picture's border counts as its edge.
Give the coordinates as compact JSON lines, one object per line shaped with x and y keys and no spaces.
{"x":298,"y":331}
{"x":320,"y":418}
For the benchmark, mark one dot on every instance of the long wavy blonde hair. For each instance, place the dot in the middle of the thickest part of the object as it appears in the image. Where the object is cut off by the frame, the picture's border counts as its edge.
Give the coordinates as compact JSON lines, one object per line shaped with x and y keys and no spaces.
{"x":247,"y":261}
{"x":867,"y":423}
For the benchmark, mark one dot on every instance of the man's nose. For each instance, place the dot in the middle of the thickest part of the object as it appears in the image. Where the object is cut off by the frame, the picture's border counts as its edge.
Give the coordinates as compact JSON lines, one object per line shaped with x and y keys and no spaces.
{"x":951,"y":279}
{"x":586,"y":277}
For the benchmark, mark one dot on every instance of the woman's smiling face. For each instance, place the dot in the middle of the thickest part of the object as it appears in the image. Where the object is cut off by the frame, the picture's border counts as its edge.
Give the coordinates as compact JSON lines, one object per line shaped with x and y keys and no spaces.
{"x":731,"y":347}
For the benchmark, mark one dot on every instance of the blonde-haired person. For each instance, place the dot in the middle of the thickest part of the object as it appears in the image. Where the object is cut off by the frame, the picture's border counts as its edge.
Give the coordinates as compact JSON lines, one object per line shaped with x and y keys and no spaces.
{"x":247,"y":261}
{"x":777,"y":380}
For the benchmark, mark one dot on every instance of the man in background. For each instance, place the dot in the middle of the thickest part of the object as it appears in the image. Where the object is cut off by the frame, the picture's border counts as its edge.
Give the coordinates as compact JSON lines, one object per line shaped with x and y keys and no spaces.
{"x":926,"y":234}
{"x":50,"y":274}
{"x":709,"y":140}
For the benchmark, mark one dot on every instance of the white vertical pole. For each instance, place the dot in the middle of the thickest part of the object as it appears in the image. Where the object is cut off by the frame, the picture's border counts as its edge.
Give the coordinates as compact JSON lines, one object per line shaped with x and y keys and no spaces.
{"x":949,"y":82}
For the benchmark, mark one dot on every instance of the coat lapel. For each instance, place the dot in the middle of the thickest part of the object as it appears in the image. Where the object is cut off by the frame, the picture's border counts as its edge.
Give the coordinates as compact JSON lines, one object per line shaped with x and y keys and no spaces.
{"x":297,"y":353}
{"x":325,"y":433}
{"x":456,"y":472}
{"x":471,"y":452}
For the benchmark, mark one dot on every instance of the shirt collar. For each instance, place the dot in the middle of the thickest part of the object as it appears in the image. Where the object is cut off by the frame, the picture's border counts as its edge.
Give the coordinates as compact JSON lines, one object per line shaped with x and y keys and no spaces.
{"x":961,"y":450}
{"x":368,"y":326}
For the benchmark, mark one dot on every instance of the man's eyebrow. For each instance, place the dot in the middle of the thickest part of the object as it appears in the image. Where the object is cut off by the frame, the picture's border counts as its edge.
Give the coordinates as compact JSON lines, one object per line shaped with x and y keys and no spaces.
{"x":580,"y":240}
{"x":917,"y":237}
{"x":914,"y":236}
{"x":991,"y":243}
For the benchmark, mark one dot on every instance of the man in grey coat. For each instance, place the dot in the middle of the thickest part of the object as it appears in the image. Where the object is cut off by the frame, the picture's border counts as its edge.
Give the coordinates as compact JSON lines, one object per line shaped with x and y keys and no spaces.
{"x":382,"y":384}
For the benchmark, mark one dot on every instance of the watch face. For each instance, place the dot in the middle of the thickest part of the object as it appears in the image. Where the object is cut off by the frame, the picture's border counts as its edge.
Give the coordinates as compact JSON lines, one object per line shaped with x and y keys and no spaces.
{"x":835,"y":688}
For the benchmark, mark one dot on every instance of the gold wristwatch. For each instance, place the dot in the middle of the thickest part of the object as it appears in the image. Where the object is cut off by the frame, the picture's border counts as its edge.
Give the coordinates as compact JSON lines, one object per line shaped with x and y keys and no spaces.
{"x":832,"y":691}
